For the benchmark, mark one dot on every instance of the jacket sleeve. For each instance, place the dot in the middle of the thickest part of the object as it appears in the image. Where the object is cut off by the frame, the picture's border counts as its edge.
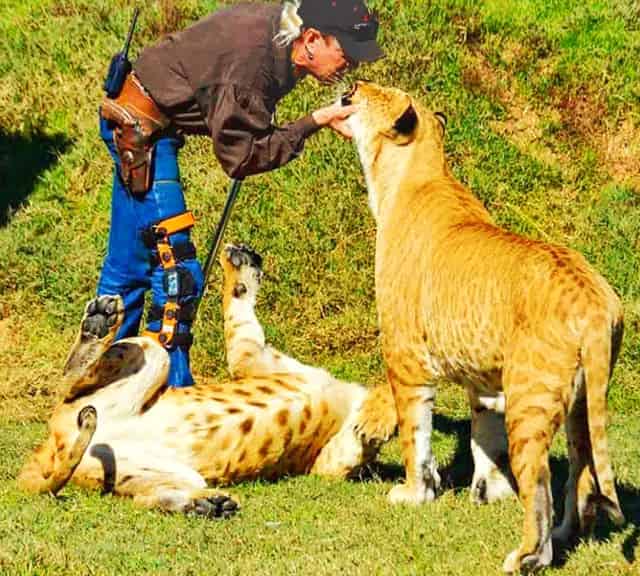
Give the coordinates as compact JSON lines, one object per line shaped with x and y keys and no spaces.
{"x":244,"y":139}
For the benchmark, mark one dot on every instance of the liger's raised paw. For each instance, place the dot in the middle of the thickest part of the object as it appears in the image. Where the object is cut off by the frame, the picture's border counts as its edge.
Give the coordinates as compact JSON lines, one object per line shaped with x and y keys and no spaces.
{"x":241,"y":255}
{"x":88,"y":418}
{"x":102,"y":316}
{"x":242,"y":268}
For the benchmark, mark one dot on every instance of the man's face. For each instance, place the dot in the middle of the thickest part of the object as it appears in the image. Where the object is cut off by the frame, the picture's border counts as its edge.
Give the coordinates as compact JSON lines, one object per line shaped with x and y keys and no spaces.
{"x":329,"y":63}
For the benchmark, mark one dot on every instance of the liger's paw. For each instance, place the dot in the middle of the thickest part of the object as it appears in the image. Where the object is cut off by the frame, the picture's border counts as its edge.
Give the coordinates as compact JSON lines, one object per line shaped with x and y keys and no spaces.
{"x":490,"y":488}
{"x":405,"y":494}
{"x":88,"y":418}
{"x":240,"y":255}
{"x":216,"y":505}
{"x":528,"y":563}
{"x":243,"y":269}
{"x":102,"y":317}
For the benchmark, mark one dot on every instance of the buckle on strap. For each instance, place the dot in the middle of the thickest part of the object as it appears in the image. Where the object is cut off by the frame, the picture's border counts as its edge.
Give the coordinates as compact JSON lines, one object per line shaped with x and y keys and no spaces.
{"x":180,"y":340}
{"x":160,"y":232}
{"x":181,"y":251}
{"x":167,"y":332}
{"x":186,"y":313}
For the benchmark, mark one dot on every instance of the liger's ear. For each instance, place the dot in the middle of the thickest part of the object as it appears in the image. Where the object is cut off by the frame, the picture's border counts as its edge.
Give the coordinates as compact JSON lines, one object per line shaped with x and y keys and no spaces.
{"x":407,"y":123}
{"x":440,"y":117}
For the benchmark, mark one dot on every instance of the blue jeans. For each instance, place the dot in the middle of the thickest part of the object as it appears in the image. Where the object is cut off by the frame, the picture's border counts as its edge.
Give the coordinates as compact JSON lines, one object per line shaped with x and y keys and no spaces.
{"x":128,"y":269}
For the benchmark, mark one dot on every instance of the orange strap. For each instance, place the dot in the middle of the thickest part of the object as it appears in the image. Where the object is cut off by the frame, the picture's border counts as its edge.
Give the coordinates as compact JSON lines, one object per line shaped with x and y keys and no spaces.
{"x":162,"y":231}
{"x":169,"y":325}
{"x":175,"y":224}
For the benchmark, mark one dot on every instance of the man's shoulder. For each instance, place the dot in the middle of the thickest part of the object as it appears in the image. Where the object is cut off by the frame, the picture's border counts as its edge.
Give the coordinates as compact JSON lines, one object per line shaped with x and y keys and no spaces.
{"x":254,"y":16}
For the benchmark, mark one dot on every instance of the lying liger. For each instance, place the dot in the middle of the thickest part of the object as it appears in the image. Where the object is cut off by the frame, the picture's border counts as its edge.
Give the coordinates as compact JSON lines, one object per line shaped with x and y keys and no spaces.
{"x":518,"y":322}
{"x":120,"y":428}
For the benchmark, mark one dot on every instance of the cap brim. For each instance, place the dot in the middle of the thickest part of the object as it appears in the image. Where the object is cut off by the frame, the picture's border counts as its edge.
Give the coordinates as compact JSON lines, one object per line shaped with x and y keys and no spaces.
{"x":368,"y":51}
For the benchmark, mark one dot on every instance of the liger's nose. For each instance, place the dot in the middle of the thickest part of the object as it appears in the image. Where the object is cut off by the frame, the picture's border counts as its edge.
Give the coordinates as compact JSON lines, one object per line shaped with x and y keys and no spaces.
{"x":347,"y":96}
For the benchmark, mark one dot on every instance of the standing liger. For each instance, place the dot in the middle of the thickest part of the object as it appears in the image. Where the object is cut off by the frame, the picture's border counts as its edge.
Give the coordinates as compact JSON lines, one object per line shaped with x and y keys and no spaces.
{"x":531,"y":329}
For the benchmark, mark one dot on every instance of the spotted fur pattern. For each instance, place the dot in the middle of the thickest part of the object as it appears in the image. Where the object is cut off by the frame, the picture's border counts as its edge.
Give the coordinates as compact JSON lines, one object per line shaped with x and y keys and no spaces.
{"x":530,"y":328}
{"x":164,"y":446}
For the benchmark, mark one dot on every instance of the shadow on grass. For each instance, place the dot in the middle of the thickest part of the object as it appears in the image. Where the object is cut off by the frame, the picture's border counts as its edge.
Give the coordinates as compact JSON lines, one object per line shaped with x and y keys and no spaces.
{"x":23,"y":157}
{"x":630,"y":501}
{"x":457,"y":476}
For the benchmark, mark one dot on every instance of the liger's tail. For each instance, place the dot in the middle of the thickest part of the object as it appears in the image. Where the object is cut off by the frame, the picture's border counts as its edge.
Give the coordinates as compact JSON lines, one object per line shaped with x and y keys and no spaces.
{"x":378,"y":419}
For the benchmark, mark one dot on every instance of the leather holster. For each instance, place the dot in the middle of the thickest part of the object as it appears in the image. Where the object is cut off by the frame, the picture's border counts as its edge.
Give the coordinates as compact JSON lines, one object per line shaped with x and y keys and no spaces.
{"x":138,"y":122}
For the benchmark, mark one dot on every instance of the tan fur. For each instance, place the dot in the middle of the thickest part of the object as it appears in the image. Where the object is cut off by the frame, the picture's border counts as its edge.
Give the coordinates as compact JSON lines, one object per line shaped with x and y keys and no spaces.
{"x":516,"y":321}
{"x":162,"y":446}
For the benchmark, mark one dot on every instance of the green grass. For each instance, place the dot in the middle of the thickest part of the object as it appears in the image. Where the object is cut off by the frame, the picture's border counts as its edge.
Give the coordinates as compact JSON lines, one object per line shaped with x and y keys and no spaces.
{"x":544,"y":125}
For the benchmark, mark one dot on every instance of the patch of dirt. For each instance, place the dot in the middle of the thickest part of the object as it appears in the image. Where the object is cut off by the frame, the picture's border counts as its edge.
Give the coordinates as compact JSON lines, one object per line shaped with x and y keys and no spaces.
{"x":620,"y":147}
{"x":580,"y":117}
{"x":582,"y":112}
{"x":523,"y":123}
{"x":480,"y":77}
{"x":617,"y":143}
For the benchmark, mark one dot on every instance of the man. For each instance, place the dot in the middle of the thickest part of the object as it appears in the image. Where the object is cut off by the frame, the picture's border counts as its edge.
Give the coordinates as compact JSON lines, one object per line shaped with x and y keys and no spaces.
{"x":222,"y":76}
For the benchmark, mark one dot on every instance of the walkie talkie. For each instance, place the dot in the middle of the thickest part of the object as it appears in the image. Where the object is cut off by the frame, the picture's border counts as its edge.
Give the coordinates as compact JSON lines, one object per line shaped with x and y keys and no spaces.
{"x":120,"y":65}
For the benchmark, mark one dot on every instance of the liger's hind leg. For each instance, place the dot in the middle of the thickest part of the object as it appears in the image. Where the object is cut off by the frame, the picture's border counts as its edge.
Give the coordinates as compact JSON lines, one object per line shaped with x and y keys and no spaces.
{"x":102,"y":318}
{"x":155,"y":481}
{"x":175,"y":498}
{"x":579,"y":505}
{"x":534,"y":411}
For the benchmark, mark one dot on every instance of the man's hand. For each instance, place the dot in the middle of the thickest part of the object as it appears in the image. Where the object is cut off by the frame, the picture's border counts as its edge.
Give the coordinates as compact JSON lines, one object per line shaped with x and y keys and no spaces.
{"x":335,"y":117}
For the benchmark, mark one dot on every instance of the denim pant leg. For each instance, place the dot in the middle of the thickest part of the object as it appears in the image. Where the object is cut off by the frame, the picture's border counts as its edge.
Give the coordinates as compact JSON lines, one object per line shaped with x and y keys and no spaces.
{"x":169,"y":199}
{"x":126,"y":270}
{"x":128,"y":264}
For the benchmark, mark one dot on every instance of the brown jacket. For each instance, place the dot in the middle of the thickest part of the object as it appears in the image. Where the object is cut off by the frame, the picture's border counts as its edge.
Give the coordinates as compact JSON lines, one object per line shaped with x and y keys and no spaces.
{"x":224,"y":75}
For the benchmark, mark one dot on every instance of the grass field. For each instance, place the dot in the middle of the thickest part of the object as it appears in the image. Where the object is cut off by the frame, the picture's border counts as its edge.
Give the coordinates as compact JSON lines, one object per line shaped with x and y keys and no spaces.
{"x":543,"y":102}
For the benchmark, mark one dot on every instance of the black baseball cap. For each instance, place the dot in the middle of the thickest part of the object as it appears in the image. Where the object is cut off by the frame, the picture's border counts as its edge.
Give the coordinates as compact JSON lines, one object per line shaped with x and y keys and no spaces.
{"x":349,"y":21}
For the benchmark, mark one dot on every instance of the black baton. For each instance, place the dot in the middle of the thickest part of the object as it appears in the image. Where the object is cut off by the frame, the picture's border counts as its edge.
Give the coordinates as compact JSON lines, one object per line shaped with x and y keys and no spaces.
{"x":217,"y":239}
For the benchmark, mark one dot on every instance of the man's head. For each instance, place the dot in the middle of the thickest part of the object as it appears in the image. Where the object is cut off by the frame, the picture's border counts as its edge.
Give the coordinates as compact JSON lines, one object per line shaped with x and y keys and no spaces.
{"x":336,"y":35}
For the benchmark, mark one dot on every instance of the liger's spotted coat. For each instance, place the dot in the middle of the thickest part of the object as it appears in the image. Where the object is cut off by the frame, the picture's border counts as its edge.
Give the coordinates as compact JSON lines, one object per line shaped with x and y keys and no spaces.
{"x":121,"y":429}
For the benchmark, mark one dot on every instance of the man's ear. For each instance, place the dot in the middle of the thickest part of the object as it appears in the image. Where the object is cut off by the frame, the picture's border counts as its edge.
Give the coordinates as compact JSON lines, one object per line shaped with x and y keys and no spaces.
{"x":305,"y":46}
{"x":442,"y":119}
{"x":406,"y":124}
{"x":311,"y":36}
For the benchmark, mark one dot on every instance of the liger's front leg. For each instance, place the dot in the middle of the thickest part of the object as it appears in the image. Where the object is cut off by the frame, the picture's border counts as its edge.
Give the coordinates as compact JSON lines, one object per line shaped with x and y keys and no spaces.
{"x":414,"y":405}
{"x":247,"y":352}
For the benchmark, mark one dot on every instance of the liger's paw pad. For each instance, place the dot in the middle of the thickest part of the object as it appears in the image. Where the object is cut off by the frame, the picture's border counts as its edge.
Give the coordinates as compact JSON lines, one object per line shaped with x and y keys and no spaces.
{"x":103,"y":314}
{"x":240,"y":255}
{"x":87,"y":417}
{"x":220,"y":506}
